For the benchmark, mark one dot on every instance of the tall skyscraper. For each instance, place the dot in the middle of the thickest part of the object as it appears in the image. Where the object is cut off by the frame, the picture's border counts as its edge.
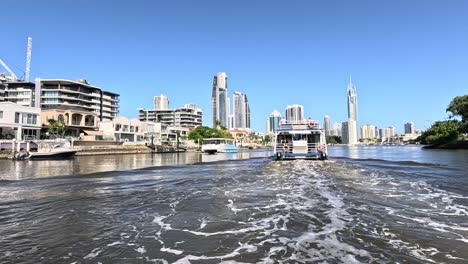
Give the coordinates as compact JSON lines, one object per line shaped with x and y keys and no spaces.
{"x":409,"y":128}
{"x":295,"y":114}
{"x":352,"y":114}
{"x":326,"y":125}
{"x":161,"y":102}
{"x":241,"y":111}
{"x":220,"y":100}
{"x":273,"y":121}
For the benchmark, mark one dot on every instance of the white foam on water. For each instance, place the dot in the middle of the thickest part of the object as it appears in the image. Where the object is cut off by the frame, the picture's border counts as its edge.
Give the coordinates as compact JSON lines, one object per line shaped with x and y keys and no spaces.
{"x":242,"y":248}
{"x":172,"y":251}
{"x":160,"y":221}
{"x":141,"y":250}
{"x":157,"y":261}
{"x":452,"y":257}
{"x":94,"y":253}
{"x":203,"y":223}
{"x":231,"y":206}
{"x":115,"y":244}
{"x":323,"y":244}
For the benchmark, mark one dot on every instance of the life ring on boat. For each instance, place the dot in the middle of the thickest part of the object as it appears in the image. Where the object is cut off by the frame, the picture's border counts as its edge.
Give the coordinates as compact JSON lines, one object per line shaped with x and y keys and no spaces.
{"x":285,"y":148}
{"x":310,"y":124}
{"x":320,"y":148}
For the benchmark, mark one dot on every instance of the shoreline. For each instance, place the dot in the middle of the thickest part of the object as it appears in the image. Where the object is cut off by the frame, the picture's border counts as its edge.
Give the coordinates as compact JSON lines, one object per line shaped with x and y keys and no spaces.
{"x":453,"y":145}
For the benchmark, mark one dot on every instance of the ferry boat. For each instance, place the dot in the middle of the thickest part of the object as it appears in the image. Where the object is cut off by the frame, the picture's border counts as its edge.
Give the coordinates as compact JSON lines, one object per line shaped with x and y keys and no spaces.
{"x":222,"y":145}
{"x":300,"y":141}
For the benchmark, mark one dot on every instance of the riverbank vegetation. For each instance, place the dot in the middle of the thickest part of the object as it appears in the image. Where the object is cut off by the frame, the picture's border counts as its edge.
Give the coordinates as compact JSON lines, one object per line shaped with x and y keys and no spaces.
{"x":202,"y":132}
{"x":333,"y":140}
{"x":451,"y":133}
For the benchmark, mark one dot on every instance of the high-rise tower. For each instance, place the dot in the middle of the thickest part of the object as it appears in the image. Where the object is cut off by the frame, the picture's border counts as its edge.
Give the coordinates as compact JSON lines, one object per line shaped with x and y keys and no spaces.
{"x":352,"y":114}
{"x":295,"y":114}
{"x":220,"y":100}
{"x":326,"y":125}
{"x":161,"y":102}
{"x":273,"y":122}
{"x":241,"y":111}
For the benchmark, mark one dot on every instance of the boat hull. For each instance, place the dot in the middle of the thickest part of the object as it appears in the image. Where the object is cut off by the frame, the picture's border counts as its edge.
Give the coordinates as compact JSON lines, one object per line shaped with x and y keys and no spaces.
{"x":219,"y":148}
{"x":66,"y":154}
{"x":305,"y":156}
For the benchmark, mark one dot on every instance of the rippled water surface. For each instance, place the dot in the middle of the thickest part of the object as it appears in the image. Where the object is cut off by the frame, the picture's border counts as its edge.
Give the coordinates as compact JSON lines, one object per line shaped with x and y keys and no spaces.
{"x":364,"y":205}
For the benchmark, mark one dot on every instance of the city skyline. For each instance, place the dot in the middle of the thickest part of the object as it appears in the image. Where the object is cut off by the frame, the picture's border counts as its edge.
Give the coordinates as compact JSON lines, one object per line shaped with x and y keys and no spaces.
{"x":296,"y":59}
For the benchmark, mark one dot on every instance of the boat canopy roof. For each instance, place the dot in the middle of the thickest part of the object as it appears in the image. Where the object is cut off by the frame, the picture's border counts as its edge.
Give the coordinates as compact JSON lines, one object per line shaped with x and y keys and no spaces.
{"x":217,"y":140}
{"x":298,"y":129}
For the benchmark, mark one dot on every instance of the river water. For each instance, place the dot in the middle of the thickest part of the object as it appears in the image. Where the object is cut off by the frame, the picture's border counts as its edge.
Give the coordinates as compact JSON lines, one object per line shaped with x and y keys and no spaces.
{"x":364,"y":205}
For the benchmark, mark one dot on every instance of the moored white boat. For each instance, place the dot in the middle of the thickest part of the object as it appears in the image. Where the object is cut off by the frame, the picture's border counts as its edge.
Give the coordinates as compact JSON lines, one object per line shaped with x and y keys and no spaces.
{"x":219,"y":145}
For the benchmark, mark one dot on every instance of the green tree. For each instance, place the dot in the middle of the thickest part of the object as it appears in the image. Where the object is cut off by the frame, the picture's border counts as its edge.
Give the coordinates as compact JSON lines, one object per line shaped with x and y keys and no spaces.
{"x":333,"y":139}
{"x":203,"y":132}
{"x":458,"y":107}
{"x":56,"y":128}
{"x":441,"y":132}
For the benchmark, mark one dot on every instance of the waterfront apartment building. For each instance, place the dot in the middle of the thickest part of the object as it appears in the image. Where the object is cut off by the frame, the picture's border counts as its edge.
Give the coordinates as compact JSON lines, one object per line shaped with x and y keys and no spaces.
{"x":344,"y":133}
{"x":326,"y":125}
{"x":347,"y":132}
{"x":76,"y":119}
{"x":19,"y":122}
{"x":2,"y":89}
{"x":273,"y":122}
{"x":409,"y":128}
{"x":78,"y":94}
{"x":220,"y":100}
{"x":352,"y":115}
{"x":122,"y":129}
{"x":188,"y":116}
{"x":295,"y":114}
{"x":241,"y":111}
{"x":368,"y":132}
{"x":21,"y":93}
{"x":161,"y":102}
{"x":387,"y":132}
{"x":165,"y":117}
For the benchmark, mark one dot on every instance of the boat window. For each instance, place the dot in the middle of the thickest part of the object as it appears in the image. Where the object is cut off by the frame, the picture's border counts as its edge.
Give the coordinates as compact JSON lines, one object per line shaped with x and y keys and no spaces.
{"x":284,"y":138}
{"x":315,"y":138}
{"x":297,"y":136}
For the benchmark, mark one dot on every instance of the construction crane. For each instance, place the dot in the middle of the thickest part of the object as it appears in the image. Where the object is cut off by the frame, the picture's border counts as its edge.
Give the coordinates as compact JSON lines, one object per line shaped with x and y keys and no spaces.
{"x":28,"y":60}
{"x":12,"y":74}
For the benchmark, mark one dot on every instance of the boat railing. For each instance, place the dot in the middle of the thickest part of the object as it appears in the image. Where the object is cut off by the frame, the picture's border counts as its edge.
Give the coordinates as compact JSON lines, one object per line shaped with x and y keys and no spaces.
{"x":280,"y":147}
{"x":311,"y":147}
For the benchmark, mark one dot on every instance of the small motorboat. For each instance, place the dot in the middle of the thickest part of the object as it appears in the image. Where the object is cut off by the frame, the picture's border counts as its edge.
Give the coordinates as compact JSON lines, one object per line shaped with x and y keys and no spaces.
{"x":53,"y":154}
{"x":219,"y":145}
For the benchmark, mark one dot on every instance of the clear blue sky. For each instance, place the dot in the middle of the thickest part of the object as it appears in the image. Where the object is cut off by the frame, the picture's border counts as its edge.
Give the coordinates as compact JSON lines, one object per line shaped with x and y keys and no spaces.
{"x":408,"y":59}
